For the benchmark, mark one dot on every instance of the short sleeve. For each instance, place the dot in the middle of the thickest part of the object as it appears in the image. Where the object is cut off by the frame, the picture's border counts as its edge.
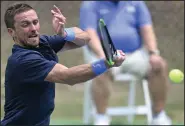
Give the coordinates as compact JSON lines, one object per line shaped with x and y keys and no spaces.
{"x":33,"y":67}
{"x":88,"y":16}
{"x":143,"y":14}
{"x":56,"y":42}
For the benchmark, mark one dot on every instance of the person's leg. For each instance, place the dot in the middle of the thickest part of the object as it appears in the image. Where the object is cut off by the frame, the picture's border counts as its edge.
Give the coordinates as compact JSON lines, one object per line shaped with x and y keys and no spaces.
{"x":158,"y":84}
{"x":100,"y":91}
{"x":138,"y":64}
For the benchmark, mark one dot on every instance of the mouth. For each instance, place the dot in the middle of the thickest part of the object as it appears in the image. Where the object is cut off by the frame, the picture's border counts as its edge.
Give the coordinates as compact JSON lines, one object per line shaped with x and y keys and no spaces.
{"x":33,"y":36}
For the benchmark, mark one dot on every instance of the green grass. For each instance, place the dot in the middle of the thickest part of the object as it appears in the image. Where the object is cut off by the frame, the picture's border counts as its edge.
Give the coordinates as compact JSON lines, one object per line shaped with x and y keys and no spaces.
{"x":69,"y":104}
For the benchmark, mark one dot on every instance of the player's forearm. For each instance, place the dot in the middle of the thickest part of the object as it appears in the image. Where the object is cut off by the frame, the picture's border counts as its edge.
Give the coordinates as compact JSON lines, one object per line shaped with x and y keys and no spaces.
{"x":95,"y":44}
{"x":149,"y":38}
{"x":77,"y":74}
{"x":81,"y":37}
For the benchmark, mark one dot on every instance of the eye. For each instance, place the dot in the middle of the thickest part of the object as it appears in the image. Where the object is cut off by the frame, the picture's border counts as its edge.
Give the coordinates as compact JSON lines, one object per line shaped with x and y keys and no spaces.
{"x":35,"y":22}
{"x":25,"y":24}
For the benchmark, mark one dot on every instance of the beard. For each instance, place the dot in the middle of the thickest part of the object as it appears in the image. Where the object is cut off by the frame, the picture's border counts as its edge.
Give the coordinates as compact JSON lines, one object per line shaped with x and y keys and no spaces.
{"x":33,"y":41}
{"x":29,"y":42}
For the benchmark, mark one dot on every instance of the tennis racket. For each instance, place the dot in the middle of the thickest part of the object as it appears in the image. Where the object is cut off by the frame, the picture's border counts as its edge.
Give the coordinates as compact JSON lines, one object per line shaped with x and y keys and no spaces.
{"x":106,"y":43}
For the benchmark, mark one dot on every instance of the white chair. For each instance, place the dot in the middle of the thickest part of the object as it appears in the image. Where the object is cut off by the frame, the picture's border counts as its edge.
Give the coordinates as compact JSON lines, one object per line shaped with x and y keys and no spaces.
{"x":130,"y":111}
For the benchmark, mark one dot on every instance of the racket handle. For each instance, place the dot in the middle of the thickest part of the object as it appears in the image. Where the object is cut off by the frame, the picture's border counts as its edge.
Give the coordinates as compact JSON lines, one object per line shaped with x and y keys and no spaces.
{"x":116,"y":55}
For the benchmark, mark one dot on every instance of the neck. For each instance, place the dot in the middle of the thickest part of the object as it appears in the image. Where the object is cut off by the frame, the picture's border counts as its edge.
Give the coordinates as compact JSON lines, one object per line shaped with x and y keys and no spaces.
{"x":24,"y":46}
{"x":18,"y":43}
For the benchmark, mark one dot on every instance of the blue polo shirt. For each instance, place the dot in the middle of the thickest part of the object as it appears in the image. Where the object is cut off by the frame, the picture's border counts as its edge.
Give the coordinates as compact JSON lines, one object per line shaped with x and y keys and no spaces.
{"x":29,"y":100}
{"x":123,"y":20}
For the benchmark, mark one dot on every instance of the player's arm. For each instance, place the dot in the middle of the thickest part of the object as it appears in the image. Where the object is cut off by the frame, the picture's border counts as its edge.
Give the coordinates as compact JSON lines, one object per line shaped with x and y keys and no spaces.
{"x":76,"y":74}
{"x":146,"y":27}
{"x":38,"y":69}
{"x":81,"y":73}
{"x":75,"y":38}
{"x":88,"y":22}
{"x":94,"y":43}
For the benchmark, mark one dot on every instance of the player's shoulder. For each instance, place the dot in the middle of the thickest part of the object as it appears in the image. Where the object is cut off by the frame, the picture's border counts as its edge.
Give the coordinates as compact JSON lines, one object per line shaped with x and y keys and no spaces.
{"x":48,"y":39}
{"x":22,"y":54}
{"x":45,"y":38}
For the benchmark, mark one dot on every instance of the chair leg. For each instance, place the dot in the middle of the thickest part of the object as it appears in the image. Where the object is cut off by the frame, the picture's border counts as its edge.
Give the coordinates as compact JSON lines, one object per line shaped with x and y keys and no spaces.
{"x":131,"y":100}
{"x":87,"y":103}
{"x":147,"y":101}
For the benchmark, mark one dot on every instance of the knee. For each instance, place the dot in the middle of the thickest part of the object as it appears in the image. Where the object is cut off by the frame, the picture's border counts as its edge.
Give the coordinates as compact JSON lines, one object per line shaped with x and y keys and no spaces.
{"x":162,"y":66}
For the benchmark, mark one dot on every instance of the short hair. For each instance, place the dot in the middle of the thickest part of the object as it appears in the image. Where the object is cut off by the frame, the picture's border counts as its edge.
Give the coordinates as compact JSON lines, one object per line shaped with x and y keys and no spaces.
{"x":12,"y":11}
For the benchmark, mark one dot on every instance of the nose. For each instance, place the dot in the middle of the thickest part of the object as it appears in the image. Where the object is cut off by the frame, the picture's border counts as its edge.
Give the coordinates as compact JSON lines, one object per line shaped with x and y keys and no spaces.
{"x":33,"y":27}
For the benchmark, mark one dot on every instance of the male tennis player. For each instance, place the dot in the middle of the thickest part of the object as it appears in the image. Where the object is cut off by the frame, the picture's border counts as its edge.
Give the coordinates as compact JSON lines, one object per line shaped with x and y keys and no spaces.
{"x":130,"y":27}
{"x":33,"y":69}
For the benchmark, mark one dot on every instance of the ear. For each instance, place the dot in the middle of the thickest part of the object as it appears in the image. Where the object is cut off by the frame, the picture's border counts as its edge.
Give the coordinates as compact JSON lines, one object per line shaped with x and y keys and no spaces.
{"x":11,"y":32}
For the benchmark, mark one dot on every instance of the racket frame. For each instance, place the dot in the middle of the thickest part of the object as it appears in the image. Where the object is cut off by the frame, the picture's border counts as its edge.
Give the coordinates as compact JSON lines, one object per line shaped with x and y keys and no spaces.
{"x":113,"y":49}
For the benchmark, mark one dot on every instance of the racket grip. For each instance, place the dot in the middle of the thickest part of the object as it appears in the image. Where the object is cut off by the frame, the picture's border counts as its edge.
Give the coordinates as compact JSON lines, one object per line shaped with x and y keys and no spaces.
{"x":99,"y":67}
{"x":116,"y":55}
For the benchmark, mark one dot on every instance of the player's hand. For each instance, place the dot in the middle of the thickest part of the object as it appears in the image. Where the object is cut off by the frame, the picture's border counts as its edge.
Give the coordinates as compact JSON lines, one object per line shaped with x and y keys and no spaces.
{"x":119,"y":58}
{"x":58,"y":21}
{"x":155,"y":61}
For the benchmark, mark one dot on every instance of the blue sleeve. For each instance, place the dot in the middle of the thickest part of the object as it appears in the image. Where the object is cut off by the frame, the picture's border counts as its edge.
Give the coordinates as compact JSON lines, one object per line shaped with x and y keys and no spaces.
{"x":142,"y":14}
{"x":88,"y":16}
{"x":33,"y":67}
{"x":56,"y":42}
